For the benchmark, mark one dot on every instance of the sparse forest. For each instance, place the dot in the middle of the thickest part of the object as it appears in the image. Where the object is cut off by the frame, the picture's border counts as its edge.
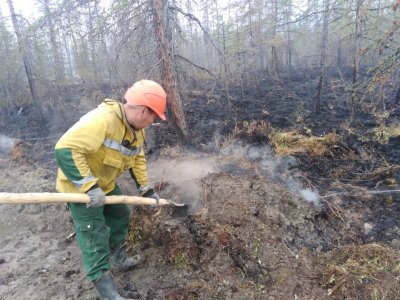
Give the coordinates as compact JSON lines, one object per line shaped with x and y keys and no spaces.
{"x":282,"y":133}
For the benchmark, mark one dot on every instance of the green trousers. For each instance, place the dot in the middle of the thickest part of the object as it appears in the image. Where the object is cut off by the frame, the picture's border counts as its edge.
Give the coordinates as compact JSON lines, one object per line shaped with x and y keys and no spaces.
{"x":97,"y":230}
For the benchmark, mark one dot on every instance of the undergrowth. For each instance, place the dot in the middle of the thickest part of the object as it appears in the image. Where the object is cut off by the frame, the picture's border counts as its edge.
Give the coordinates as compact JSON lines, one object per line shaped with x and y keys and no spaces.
{"x":383,"y":133}
{"x":361,"y":272}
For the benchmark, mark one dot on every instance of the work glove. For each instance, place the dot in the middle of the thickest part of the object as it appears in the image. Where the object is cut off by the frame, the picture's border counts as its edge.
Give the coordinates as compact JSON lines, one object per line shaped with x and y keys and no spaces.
{"x":152,"y":194}
{"x":97,"y":197}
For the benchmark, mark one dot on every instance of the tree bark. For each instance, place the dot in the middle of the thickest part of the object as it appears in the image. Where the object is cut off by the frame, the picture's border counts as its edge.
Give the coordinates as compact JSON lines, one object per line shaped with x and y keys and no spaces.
{"x":167,"y":72}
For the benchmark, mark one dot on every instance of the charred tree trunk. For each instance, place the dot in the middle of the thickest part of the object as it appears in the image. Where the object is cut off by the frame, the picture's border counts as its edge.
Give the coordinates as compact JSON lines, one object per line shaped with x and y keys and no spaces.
{"x":25,"y":58}
{"x":323,"y":57}
{"x":167,"y":72}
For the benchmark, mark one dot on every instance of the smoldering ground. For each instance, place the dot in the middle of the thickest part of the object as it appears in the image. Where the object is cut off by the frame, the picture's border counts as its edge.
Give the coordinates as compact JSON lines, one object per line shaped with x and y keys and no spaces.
{"x":185,"y":176}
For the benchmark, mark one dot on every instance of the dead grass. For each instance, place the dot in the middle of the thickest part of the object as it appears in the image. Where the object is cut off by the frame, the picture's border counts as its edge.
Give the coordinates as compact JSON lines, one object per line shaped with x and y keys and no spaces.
{"x":21,"y":151}
{"x":175,"y":152}
{"x":368,"y":271}
{"x":291,"y":142}
{"x":253,"y":131}
{"x":383,"y":133}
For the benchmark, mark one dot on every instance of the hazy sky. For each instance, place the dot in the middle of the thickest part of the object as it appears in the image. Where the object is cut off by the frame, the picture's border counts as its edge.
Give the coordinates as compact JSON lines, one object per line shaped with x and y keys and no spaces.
{"x":24,"y":7}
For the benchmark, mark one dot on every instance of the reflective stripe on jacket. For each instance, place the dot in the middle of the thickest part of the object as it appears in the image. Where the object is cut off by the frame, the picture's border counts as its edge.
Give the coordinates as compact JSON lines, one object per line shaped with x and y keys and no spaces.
{"x":97,"y":149}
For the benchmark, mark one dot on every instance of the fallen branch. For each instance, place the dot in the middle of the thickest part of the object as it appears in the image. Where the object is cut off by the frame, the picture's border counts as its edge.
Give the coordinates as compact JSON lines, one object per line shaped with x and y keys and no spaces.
{"x":366,"y":192}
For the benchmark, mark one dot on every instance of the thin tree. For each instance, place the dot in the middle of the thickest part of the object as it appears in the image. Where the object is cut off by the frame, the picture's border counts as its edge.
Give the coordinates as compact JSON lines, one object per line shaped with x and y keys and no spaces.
{"x":58,"y":62}
{"x":356,"y":56}
{"x":91,"y":16}
{"x":23,"y":49}
{"x":324,"y":47}
{"x":288,"y":15}
{"x":7,"y":84}
{"x":274,"y":54}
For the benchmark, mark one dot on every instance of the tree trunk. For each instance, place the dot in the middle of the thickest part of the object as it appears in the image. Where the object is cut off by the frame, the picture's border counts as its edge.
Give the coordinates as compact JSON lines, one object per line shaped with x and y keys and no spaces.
{"x":77,"y":60}
{"x":289,"y":41}
{"x":339,"y":53}
{"x":92,"y":13}
{"x":323,"y":56}
{"x":58,"y":63}
{"x":274,"y":54}
{"x":25,"y":58}
{"x":167,"y":72}
{"x":356,"y":60}
{"x":260,"y":43}
{"x":207,"y":45}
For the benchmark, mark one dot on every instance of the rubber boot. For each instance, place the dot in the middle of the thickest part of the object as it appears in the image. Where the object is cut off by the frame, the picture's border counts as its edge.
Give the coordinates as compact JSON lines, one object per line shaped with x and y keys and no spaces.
{"x":121,"y":261}
{"x":106,"y":288}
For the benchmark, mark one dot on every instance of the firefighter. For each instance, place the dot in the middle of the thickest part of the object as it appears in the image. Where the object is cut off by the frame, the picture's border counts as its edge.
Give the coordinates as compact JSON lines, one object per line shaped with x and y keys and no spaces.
{"x":103,"y":144}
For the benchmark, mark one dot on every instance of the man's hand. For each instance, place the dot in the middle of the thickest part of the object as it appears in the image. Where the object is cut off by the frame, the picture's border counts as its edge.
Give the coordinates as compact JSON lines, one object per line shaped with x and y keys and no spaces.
{"x":152,"y":194}
{"x":97,"y":197}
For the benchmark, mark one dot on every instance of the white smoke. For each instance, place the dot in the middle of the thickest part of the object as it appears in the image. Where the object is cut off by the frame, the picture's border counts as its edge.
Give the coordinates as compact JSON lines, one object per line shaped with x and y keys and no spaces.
{"x":6,"y":144}
{"x":277,"y":169}
{"x":259,"y":152}
{"x":185,"y":176}
{"x":311,"y":196}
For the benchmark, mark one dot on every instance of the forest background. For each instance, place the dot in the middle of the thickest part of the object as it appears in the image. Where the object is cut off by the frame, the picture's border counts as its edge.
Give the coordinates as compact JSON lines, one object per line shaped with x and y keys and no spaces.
{"x":50,"y":55}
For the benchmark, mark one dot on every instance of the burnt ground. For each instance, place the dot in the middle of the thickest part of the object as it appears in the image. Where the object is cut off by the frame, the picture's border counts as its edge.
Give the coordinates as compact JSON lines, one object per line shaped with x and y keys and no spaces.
{"x":285,"y":204}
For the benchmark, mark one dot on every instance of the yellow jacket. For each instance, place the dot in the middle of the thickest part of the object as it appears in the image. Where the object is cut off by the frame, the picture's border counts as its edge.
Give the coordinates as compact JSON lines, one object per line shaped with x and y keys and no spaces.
{"x":99,"y":148}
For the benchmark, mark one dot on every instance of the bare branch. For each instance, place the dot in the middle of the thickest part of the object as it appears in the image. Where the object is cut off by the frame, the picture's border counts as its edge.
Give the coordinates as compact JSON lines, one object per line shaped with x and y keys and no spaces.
{"x":193,"y":64}
{"x":193,"y":18}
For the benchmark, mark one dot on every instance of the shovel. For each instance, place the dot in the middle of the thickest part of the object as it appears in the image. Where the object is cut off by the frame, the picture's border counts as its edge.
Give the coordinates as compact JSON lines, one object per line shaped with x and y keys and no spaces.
{"x":180,"y":209}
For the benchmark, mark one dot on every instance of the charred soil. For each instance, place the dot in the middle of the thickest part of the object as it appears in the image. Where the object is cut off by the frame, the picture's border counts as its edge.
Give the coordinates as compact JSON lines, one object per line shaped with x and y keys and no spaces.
{"x":285,"y":204}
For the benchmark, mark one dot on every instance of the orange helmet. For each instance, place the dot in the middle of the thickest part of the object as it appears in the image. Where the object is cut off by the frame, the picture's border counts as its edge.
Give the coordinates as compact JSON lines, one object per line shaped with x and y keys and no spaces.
{"x":148,"y":93}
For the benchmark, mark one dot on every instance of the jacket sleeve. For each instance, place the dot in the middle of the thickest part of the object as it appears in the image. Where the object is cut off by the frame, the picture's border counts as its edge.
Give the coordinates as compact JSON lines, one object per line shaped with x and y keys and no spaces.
{"x":139,"y":173}
{"x":71,"y":151}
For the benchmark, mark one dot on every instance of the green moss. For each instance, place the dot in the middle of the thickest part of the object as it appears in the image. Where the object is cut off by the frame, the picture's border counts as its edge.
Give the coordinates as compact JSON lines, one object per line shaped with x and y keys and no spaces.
{"x":182,"y":260}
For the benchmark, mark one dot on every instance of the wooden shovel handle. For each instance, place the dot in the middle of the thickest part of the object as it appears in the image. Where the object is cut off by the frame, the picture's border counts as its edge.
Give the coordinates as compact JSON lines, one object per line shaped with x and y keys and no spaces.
{"x":35,"y":198}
